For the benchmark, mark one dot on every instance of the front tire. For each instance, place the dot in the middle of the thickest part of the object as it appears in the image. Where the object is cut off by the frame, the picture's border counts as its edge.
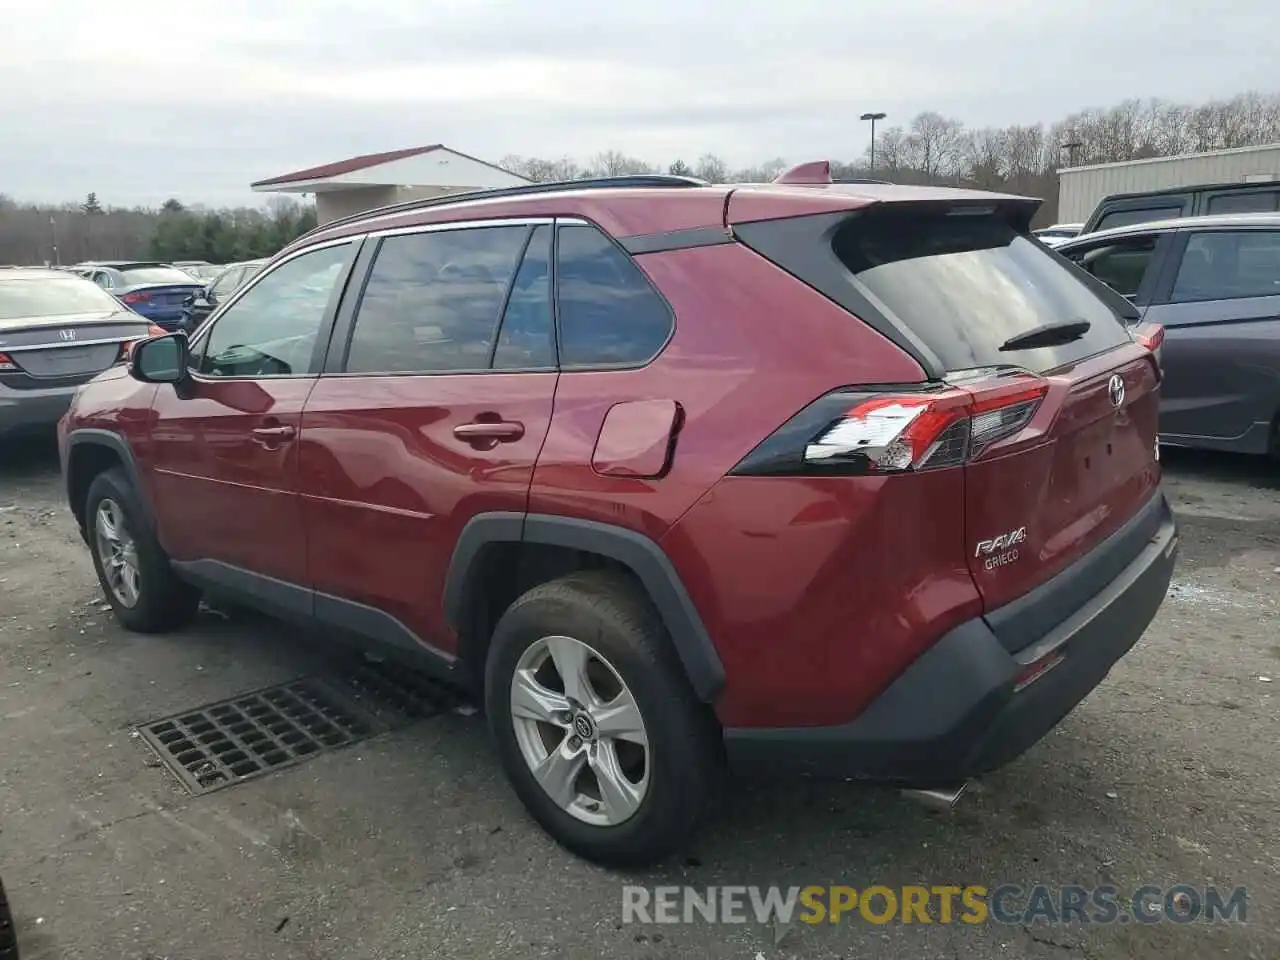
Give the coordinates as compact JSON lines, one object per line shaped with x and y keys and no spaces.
{"x":132,"y":567}
{"x":595,"y":723}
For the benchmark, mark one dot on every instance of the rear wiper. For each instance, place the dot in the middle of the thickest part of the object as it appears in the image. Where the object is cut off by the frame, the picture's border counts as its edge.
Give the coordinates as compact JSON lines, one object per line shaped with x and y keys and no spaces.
{"x":1049,"y":335}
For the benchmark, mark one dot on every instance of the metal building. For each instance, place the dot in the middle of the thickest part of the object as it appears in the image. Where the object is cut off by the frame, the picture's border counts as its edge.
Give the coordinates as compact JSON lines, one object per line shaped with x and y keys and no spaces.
{"x":1080,"y":188}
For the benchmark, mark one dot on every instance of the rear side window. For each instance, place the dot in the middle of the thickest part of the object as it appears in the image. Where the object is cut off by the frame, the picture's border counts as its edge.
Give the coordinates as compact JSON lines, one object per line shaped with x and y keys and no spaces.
{"x":433,"y":300}
{"x":609,"y":313}
{"x":1123,"y":218}
{"x":1229,"y":265}
{"x":966,"y":285}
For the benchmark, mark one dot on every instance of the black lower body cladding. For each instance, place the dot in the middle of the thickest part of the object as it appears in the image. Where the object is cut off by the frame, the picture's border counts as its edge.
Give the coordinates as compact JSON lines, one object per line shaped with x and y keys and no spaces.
{"x":959,"y":710}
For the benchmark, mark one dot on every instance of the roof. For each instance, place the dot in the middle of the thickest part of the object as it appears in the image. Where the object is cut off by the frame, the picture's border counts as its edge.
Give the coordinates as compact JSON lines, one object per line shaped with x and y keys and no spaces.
{"x":1212,"y":222}
{"x":363,"y":162}
{"x":1259,"y":148}
{"x":635,"y":205}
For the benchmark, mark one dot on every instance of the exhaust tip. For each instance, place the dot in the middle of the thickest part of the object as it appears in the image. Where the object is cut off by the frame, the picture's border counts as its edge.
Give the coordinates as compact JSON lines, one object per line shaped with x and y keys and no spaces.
{"x":937,"y":798}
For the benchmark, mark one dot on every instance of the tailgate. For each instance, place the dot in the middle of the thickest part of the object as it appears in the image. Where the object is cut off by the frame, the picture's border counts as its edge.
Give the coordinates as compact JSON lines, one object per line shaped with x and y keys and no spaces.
{"x":1084,"y":467}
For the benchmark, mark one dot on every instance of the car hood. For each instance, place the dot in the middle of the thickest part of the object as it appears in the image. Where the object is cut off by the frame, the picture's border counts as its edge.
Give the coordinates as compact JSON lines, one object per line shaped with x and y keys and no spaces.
{"x":71,"y":320}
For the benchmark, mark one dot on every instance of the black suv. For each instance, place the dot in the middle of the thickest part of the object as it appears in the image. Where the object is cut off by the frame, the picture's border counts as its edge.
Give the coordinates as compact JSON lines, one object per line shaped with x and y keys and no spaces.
{"x":1124,"y":209}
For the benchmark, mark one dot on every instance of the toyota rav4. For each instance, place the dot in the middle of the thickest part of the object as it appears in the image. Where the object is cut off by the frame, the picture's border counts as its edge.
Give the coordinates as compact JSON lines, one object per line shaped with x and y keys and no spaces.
{"x":856,"y":480}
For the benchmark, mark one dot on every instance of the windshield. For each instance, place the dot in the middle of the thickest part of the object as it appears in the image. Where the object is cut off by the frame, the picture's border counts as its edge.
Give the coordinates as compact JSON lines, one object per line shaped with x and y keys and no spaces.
{"x":52,"y":297}
{"x":966,"y":285}
{"x":133,"y":276}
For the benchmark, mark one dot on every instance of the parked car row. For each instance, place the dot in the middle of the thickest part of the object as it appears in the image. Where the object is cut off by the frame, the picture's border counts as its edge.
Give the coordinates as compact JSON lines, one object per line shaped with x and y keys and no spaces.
{"x":57,"y":332}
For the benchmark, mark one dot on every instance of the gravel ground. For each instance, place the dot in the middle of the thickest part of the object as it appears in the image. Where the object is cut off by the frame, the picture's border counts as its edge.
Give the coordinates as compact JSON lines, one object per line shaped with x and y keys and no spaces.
{"x":409,"y":844}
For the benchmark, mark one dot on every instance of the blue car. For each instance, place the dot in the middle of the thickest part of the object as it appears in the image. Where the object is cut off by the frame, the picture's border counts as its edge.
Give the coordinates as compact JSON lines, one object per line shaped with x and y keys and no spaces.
{"x":155,"y":290}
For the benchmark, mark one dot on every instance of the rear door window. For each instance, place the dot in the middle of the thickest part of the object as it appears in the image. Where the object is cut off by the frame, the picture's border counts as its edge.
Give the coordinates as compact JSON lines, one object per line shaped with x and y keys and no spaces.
{"x":526,"y":339}
{"x":609,"y":313}
{"x":1121,"y":265}
{"x":1124,"y":218}
{"x":1229,"y":265}
{"x":1244,"y":201}
{"x":966,"y":285}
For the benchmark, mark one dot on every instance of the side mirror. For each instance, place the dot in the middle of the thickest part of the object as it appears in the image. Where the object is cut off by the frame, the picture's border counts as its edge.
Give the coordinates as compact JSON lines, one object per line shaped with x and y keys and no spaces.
{"x":160,"y":359}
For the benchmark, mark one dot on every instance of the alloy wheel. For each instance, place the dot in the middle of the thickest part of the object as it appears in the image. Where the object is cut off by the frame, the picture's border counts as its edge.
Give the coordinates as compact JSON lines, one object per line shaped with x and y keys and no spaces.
{"x":580,"y":730}
{"x":118,"y":552}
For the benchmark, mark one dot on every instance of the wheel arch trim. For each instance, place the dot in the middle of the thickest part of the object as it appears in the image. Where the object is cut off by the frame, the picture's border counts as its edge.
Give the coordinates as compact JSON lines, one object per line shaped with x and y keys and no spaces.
{"x":95,"y":437}
{"x":638,"y":553}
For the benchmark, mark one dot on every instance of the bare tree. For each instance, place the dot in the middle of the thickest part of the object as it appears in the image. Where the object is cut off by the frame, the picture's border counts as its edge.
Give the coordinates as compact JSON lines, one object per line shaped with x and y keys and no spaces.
{"x":711,"y":168}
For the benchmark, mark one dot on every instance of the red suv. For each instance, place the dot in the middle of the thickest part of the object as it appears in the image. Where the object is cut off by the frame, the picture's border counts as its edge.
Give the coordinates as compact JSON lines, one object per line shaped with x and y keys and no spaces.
{"x":842,"y":479}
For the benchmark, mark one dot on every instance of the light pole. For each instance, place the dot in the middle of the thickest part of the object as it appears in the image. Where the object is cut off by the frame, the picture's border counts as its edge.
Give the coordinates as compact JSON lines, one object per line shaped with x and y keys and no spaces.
{"x":873,"y":117}
{"x":53,"y":229}
{"x":1071,"y":146}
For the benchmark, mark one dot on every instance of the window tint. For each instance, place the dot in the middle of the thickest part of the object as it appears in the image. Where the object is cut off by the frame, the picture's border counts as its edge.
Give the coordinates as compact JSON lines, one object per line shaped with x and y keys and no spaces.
{"x":966,"y":285}
{"x":53,"y":296}
{"x":137,"y":275}
{"x":433,"y":300}
{"x":1247,"y":201}
{"x":226,"y":282}
{"x":1121,"y":266}
{"x":1229,"y":265}
{"x":272,"y":329}
{"x":608,"y":311}
{"x":526,"y":339}
{"x":1123,"y":218}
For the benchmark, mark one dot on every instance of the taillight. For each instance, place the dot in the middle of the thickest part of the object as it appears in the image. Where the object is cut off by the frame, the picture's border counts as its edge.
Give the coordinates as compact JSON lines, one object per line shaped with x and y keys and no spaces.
{"x":138,"y":296}
{"x":860,"y":432}
{"x":6,"y":362}
{"x":1151,"y":336}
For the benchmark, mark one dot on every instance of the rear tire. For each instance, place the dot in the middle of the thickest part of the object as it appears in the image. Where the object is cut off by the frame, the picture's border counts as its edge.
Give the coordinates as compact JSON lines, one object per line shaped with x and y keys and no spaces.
{"x":629,"y":754}
{"x":132,"y":568}
{"x":8,"y":937}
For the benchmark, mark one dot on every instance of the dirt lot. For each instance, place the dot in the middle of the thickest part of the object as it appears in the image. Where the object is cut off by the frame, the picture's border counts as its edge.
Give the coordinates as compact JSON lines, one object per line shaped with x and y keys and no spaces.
{"x":409,"y":844}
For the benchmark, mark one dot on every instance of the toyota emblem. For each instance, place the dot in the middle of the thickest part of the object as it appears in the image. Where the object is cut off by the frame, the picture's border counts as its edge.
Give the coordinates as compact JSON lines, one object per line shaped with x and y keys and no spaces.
{"x":1115,"y":390}
{"x":66,"y":335}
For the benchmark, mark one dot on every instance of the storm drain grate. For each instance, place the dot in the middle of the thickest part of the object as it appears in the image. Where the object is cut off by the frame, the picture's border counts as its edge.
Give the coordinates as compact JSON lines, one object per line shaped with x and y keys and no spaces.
{"x":409,"y":694}
{"x":247,"y":736}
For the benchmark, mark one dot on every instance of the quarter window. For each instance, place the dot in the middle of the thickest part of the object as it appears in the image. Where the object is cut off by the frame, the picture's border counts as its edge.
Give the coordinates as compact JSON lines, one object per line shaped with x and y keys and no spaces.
{"x":433,"y":300}
{"x":272,"y":330}
{"x":608,"y":312}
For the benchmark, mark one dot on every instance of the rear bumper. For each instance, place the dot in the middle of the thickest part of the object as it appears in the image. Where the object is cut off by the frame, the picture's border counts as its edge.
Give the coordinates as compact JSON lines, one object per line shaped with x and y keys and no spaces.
{"x":23,"y":410}
{"x":958,"y":710}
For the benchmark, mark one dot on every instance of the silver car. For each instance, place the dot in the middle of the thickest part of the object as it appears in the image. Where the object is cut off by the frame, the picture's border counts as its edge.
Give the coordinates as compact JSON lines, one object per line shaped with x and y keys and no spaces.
{"x":57,"y":331}
{"x":1213,"y":284}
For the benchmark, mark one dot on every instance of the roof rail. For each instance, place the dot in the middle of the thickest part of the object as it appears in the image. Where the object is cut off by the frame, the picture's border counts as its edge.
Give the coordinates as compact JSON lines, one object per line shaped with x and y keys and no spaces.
{"x":637,"y":181}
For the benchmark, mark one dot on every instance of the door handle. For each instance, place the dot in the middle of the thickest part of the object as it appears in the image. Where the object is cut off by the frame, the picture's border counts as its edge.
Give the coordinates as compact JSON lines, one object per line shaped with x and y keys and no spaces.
{"x":269,"y":435}
{"x":501,"y":431}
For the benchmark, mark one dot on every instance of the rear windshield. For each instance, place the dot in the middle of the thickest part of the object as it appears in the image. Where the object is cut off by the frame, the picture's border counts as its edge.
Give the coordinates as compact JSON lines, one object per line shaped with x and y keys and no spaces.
{"x":964,"y":285}
{"x":53,"y":297}
{"x":136,"y":275}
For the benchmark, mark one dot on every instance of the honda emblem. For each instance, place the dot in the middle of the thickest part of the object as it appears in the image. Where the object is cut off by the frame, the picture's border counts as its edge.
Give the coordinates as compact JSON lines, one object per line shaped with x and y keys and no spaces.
{"x":66,"y":335}
{"x":1115,"y":390}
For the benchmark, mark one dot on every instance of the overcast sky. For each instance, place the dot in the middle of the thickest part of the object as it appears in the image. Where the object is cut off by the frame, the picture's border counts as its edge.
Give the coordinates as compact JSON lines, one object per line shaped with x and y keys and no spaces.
{"x":140,"y":100}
